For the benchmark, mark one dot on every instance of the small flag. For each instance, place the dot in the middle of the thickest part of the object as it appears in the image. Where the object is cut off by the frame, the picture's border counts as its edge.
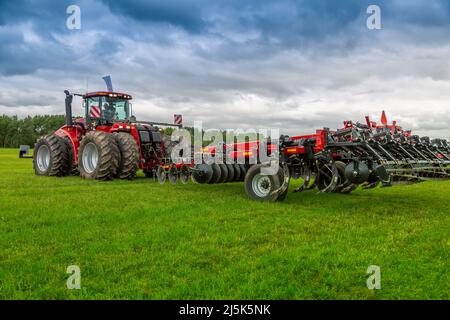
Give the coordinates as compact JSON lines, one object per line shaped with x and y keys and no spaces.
{"x":108,"y":82}
{"x":383,"y":118}
{"x":178,"y":119}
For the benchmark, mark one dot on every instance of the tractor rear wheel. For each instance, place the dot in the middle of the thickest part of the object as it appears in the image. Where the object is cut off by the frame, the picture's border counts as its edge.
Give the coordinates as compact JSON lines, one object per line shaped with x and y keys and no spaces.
{"x":129,"y":155}
{"x":71,"y":169}
{"x":261,"y":187}
{"x":98,"y":156}
{"x":51,"y":156}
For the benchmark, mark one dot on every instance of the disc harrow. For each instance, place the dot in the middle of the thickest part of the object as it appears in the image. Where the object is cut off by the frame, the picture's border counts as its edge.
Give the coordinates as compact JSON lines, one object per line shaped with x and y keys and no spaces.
{"x":366,"y":155}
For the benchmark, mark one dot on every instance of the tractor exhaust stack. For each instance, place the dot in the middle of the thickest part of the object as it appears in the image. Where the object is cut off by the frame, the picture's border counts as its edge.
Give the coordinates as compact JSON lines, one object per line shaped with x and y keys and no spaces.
{"x":69,"y":99}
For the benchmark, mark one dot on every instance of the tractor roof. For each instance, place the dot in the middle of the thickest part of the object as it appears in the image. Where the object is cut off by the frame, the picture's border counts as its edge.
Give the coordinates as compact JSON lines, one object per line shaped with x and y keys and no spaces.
{"x":107,"y":94}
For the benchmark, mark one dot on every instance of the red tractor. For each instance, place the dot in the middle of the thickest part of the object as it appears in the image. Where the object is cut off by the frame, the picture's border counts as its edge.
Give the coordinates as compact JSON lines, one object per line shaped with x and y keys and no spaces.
{"x":107,"y":143}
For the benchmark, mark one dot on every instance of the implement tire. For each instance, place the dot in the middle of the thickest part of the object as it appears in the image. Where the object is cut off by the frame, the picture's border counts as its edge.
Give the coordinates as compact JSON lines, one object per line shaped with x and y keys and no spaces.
{"x":129,"y":155}
{"x":98,"y":156}
{"x":260,"y":187}
{"x":51,"y":156}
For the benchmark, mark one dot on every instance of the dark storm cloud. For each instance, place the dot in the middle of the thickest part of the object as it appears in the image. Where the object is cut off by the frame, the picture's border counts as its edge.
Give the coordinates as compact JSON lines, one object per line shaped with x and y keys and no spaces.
{"x":186,"y":14}
{"x":296,"y":64}
{"x":277,"y":25}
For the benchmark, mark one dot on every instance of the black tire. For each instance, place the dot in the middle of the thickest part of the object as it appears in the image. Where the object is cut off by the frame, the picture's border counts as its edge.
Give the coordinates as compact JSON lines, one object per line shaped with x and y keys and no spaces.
{"x":107,"y":165}
{"x":230,"y":173}
{"x":51,"y":156}
{"x":223,"y":173}
{"x":72,"y":170}
{"x":260,"y":187}
{"x":129,"y":155}
{"x":216,"y":174}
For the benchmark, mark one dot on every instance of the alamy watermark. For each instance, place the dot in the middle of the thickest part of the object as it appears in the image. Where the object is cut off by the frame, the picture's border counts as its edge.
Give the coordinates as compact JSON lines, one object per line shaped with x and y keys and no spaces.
{"x":249,"y":146}
{"x":74,"y":280}
{"x":374,"y":20}
{"x":374,"y":280}
{"x":73,"y":22}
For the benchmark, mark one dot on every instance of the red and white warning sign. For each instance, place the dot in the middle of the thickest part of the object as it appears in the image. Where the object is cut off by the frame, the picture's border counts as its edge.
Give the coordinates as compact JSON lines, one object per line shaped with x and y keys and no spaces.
{"x":95,"y":112}
{"x":178,"y":119}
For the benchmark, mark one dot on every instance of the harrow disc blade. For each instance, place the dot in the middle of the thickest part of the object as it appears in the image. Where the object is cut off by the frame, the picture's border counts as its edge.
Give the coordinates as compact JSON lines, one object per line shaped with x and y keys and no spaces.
{"x":230,"y":173}
{"x":202,"y":174}
{"x":216,"y":173}
{"x":161,"y":175}
{"x":237,"y":173}
{"x":185,"y":173}
{"x":223,"y":173}
{"x":173,"y":174}
{"x":357,"y":172}
{"x":244,"y":169}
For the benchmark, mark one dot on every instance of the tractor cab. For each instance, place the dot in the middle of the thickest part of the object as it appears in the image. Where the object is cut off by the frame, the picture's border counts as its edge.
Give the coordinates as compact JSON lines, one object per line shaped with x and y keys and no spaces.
{"x":106,"y":108}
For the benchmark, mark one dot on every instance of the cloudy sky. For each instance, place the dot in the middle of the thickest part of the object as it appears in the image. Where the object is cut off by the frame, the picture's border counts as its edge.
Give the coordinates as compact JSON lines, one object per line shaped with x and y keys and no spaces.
{"x":296,"y":65}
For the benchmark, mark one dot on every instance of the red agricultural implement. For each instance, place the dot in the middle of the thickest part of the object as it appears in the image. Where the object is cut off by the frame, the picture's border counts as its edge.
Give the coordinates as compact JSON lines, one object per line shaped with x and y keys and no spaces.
{"x":332,"y":161}
{"x":107,"y":143}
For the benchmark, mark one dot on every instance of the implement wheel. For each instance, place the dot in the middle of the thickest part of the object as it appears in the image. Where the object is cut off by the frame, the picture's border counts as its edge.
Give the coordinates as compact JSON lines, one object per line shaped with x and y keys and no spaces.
{"x":98,"y":156}
{"x":261,"y":187}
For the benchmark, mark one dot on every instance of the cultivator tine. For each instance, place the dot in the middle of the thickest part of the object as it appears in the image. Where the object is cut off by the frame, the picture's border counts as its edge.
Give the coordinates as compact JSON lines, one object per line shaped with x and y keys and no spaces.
{"x":306,"y":176}
{"x":328,"y":177}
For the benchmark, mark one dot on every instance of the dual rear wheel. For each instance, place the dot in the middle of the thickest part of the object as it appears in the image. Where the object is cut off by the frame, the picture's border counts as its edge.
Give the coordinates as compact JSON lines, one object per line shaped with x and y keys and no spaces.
{"x":101,"y":156}
{"x":104,"y":156}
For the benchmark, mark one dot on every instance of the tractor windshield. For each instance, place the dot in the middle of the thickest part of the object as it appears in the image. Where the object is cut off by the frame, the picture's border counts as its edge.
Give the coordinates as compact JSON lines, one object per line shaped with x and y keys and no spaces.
{"x":115,"y":109}
{"x":107,"y":109}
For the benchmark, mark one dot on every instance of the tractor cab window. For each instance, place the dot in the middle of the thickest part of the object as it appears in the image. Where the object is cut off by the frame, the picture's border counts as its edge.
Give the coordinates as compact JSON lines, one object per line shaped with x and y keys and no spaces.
{"x":106,"y":109}
{"x":120,"y":109}
{"x":115,"y":110}
{"x":93,"y":110}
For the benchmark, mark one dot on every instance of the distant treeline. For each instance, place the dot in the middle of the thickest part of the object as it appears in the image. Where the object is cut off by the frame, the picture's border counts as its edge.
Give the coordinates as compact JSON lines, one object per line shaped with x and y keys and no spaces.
{"x":15,"y":131}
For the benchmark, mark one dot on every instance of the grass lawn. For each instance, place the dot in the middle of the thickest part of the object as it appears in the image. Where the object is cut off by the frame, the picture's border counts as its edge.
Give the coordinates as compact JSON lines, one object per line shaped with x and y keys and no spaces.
{"x":140,"y":240}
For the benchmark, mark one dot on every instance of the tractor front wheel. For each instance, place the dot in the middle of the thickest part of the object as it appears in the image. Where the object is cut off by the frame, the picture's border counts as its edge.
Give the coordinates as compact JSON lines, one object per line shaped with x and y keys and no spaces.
{"x":51,"y":156}
{"x":98,"y":156}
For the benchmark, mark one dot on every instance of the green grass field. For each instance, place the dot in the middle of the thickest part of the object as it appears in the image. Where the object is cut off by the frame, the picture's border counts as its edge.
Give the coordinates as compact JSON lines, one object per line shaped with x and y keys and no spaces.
{"x":140,"y":240}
